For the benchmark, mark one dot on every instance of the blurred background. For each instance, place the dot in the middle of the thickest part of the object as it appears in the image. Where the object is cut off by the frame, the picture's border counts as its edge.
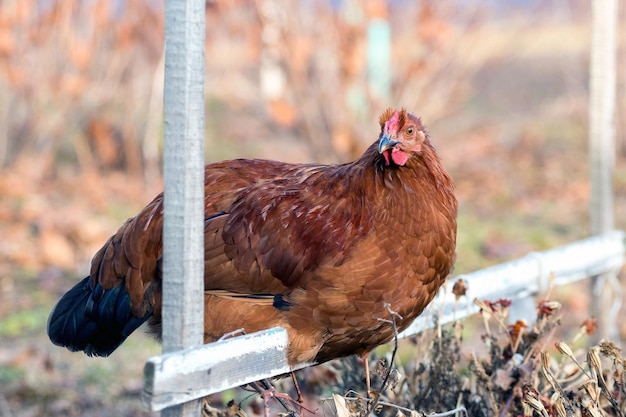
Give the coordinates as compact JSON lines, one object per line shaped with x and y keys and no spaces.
{"x":501,"y":85}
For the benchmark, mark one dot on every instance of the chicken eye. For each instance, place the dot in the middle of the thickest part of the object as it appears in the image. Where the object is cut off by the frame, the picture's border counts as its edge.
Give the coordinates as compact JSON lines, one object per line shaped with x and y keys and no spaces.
{"x":409,"y":131}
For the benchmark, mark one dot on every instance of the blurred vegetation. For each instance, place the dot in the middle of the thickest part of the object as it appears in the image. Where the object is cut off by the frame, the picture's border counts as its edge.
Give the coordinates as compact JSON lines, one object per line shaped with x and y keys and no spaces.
{"x":502,"y":88}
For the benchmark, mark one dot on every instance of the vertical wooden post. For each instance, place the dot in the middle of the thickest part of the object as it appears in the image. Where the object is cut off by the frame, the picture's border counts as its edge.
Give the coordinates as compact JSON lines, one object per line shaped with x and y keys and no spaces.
{"x":602,"y":142}
{"x":183,"y":231}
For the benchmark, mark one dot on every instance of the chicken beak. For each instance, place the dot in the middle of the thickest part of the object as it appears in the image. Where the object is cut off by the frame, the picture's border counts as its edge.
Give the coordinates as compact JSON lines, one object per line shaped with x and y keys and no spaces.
{"x":386,"y":143}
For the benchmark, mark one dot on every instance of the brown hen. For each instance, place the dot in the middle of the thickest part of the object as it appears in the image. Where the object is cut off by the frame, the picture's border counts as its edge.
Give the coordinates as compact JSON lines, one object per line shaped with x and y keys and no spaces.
{"x":317,"y":249}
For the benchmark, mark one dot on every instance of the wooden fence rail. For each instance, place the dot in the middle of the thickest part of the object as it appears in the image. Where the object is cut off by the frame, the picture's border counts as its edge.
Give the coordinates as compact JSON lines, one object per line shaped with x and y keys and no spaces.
{"x":181,"y":376}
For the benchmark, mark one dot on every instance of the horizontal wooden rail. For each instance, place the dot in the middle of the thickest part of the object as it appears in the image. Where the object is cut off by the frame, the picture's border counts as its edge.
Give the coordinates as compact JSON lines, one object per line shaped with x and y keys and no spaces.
{"x":178,"y":377}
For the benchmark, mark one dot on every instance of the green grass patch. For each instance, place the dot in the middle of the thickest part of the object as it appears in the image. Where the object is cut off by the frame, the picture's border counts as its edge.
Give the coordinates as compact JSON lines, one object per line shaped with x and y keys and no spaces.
{"x":9,"y":374}
{"x":24,"y":322}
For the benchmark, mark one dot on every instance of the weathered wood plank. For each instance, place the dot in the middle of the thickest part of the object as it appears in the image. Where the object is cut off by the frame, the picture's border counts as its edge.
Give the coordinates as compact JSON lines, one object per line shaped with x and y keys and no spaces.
{"x":183,"y":227}
{"x":602,"y":107}
{"x":185,"y":375}
{"x":180,"y":376}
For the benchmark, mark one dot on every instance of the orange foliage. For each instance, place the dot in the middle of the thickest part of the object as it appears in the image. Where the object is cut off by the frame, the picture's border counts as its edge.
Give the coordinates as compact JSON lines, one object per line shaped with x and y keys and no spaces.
{"x":61,"y":223}
{"x":66,"y":62}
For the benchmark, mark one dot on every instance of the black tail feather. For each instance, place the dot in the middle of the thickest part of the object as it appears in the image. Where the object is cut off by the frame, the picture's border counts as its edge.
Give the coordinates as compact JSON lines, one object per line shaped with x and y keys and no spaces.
{"x":93,"y":320}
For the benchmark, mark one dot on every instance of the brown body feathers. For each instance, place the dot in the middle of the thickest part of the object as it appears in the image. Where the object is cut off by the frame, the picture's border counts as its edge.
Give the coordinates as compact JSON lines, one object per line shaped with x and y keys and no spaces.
{"x":317,"y":249}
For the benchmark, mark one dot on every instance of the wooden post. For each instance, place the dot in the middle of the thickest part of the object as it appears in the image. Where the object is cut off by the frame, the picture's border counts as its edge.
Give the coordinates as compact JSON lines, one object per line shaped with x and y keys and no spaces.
{"x":602,"y":144}
{"x":183,"y":231}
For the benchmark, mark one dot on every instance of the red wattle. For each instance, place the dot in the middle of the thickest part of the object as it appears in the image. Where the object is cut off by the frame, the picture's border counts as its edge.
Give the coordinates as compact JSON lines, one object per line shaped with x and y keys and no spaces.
{"x":399,"y":157}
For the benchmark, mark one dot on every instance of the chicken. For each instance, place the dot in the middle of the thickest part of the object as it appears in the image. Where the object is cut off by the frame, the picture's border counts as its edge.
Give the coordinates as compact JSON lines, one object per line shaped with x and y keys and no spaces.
{"x":321,"y":250}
